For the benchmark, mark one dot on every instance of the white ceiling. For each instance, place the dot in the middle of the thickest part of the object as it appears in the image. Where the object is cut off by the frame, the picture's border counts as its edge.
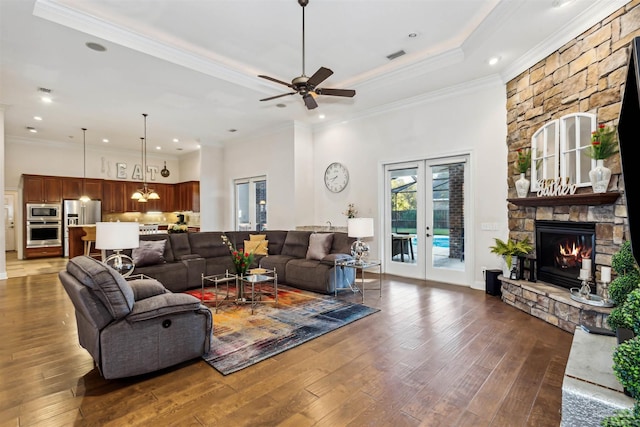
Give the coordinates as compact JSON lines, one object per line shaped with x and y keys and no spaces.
{"x":192,"y":65}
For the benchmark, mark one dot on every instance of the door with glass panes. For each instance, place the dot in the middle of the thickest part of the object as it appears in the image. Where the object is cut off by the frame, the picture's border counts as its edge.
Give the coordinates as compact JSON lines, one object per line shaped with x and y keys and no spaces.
{"x":251,"y":204}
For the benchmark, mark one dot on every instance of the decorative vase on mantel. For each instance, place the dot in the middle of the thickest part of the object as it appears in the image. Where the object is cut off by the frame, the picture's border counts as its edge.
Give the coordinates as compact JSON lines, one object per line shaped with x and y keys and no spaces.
{"x":522,"y":186}
{"x":599,"y":176}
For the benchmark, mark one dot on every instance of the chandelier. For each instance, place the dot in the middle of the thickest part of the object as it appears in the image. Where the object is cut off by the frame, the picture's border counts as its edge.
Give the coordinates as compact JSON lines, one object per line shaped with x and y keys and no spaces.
{"x":144,"y":194}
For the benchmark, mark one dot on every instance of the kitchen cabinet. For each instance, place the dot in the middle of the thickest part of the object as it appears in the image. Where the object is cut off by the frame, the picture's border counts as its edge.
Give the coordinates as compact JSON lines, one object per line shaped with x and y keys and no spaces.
{"x":113,"y":196}
{"x":188,"y":196}
{"x":166,"y":203}
{"x":72,"y":188}
{"x":41,"y":189}
{"x":30,"y":253}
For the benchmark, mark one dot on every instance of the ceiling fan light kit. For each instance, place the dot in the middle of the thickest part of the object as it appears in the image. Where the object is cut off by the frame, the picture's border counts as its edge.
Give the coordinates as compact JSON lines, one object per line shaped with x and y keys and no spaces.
{"x":307,"y":86}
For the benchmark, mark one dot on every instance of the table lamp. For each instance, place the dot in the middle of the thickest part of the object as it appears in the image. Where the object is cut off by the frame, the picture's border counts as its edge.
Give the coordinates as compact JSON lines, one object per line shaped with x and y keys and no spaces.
{"x":360,"y":228}
{"x":117,"y":236}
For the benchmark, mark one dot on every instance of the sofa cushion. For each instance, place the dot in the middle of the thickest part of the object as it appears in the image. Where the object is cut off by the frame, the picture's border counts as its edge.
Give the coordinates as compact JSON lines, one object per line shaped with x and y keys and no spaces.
{"x":276,"y":240}
{"x":341,"y":243}
{"x":208,"y":244}
{"x":296,"y":244}
{"x":149,"y":252}
{"x":180,"y":245}
{"x":109,"y":286}
{"x":319,"y":245}
{"x":258,"y":247}
{"x":168,"y":251}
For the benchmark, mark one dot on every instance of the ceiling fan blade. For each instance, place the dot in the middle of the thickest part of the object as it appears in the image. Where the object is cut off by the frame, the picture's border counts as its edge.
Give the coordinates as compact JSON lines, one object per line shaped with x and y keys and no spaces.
{"x":319,"y":76}
{"x":277,"y":81}
{"x":309,"y":101}
{"x":350,"y":93}
{"x":278,"y":96}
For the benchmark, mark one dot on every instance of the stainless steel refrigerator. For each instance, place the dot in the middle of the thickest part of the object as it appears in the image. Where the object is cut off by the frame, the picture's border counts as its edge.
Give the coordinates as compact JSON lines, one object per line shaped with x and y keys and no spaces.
{"x":77,"y":213}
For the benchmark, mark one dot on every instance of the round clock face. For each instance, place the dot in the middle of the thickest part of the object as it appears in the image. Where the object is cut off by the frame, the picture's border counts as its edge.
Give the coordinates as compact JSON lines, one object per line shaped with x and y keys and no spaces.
{"x":336,"y":177}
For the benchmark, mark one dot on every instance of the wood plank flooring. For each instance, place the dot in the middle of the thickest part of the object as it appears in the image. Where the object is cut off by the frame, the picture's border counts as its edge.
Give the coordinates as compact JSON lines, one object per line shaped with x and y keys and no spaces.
{"x":435,"y":355}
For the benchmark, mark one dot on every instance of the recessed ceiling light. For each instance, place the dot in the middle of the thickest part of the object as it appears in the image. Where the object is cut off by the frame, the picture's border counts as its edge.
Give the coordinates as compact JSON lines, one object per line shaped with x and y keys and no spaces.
{"x":105,"y":140}
{"x":32,"y":129}
{"x":494,"y":60}
{"x":46,"y":99}
{"x":38,"y":118}
{"x":413,"y":35}
{"x":158,"y":148}
{"x":198,"y":145}
{"x":321,"y":116}
{"x":233,"y":130}
{"x":560,"y":3}
{"x":176,"y":140}
{"x":281,"y":105}
{"x":95,"y":46}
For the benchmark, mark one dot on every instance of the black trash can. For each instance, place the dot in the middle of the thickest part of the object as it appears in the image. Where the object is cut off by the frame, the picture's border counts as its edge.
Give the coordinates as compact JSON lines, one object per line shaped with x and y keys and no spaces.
{"x":492,"y":284}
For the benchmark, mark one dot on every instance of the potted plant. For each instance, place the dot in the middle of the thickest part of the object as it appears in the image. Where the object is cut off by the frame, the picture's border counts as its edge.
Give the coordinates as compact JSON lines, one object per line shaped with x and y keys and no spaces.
{"x":626,"y":366}
{"x":509,"y":250}
{"x":626,"y":281}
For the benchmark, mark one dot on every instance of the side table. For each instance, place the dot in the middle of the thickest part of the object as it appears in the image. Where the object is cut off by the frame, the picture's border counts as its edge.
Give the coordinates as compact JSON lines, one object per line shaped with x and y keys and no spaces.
{"x":359,"y":266}
{"x":219,"y":279}
{"x":257,"y":279}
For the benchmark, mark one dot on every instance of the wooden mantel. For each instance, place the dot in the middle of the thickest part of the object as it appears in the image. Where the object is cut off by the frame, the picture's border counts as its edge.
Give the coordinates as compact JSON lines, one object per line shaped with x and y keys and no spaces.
{"x":593,"y":199}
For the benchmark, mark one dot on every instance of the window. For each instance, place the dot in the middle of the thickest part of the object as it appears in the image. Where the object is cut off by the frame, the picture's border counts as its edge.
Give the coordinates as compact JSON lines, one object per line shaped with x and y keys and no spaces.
{"x":558,"y":150}
{"x":251,"y":204}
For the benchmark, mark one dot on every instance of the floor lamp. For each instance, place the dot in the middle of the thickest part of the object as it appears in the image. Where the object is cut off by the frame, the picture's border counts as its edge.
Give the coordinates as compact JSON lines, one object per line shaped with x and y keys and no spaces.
{"x":117,"y":236}
{"x":360,"y":228}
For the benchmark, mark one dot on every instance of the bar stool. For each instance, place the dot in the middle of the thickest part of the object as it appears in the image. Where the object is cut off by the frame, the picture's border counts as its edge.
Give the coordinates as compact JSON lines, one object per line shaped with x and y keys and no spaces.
{"x":88,"y":238}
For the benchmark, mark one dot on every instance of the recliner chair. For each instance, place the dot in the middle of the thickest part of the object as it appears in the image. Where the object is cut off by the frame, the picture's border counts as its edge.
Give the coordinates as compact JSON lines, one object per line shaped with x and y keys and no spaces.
{"x":133,"y":327}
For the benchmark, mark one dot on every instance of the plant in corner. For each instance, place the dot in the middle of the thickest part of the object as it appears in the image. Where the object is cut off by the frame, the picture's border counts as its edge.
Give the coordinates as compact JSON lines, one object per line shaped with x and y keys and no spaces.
{"x":627,"y":279}
{"x":511,"y":248}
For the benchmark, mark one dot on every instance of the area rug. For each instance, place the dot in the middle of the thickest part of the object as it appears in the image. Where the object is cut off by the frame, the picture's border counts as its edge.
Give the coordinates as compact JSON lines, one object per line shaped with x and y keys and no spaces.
{"x":242,"y":339}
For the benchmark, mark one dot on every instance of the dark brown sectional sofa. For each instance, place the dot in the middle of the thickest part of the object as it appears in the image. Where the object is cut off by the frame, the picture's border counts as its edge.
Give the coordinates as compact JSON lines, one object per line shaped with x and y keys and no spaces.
{"x":187,"y":256}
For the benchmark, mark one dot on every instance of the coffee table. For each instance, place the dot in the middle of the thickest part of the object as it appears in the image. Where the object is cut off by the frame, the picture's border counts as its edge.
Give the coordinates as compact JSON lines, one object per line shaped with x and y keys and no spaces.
{"x":219,"y":280}
{"x":257,"y":281}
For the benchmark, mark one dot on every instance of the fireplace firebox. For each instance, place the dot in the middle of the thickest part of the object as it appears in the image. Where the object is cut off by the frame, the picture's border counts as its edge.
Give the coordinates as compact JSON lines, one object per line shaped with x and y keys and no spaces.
{"x":560,"y":248}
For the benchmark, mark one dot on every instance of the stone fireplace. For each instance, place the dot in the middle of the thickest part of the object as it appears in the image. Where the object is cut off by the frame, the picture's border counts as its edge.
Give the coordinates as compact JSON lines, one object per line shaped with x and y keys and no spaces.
{"x":561,"y":247}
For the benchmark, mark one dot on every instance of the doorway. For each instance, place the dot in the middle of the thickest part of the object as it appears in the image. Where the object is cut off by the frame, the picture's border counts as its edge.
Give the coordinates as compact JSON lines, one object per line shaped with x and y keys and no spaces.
{"x":425,"y":219}
{"x":10,"y":199}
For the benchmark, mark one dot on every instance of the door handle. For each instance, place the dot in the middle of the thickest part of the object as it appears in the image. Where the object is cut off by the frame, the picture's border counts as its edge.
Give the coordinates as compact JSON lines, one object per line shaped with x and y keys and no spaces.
{"x":427,"y":233}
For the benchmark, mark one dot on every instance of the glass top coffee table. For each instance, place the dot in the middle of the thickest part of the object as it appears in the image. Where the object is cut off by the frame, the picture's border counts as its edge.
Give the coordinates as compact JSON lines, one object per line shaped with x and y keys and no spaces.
{"x":262,"y":283}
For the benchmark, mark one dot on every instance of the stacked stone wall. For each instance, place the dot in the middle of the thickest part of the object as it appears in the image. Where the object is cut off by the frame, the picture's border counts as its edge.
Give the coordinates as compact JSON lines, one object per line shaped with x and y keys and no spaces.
{"x":585,"y":75}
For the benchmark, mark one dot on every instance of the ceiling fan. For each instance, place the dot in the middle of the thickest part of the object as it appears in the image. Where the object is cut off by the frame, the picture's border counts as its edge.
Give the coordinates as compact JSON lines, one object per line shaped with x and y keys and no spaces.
{"x":307,"y":86}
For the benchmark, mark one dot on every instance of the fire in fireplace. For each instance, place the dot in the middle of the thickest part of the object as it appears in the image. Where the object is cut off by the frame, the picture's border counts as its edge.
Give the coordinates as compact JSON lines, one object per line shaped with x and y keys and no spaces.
{"x":560,"y":248}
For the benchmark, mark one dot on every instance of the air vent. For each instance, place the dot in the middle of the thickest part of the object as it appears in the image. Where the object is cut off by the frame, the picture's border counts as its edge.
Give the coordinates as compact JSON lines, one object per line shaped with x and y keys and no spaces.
{"x":396,"y":55}
{"x":44,"y":90}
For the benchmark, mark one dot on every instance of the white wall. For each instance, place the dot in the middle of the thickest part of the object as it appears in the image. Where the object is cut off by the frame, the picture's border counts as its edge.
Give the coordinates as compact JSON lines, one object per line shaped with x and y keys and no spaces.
{"x":471,"y":120}
{"x":213,"y":194}
{"x":272,"y":154}
{"x":24,"y":156}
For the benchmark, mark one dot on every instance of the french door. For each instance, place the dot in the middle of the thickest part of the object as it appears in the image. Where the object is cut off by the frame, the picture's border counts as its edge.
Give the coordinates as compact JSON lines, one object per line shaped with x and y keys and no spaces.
{"x":251,"y":204}
{"x":425,"y":219}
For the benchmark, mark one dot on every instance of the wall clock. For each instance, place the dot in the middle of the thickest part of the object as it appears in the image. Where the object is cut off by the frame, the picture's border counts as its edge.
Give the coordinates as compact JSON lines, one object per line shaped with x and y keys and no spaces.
{"x":336,"y":177}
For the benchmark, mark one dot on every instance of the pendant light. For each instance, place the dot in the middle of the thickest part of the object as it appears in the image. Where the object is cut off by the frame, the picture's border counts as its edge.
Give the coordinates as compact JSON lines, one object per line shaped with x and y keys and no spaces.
{"x":84,"y":198}
{"x":144,"y":194}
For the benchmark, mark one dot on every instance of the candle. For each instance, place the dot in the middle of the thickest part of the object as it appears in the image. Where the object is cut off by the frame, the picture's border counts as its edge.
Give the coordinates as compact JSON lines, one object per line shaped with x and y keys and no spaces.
{"x":605,"y":274}
{"x":586,"y":264}
{"x":584,"y":274}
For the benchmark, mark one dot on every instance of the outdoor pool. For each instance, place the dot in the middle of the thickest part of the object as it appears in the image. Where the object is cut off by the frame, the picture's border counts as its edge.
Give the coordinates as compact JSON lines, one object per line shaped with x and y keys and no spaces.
{"x":441,"y":241}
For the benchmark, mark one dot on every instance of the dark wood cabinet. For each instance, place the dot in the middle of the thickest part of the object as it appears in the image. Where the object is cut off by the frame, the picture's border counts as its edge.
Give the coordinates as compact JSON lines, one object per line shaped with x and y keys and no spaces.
{"x":72,"y":188}
{"x":188,"y":196}
{"x":30,"y":253}
{"x":42,"y":189}
{"x":93,"y":188}
{"x":113,"y":196}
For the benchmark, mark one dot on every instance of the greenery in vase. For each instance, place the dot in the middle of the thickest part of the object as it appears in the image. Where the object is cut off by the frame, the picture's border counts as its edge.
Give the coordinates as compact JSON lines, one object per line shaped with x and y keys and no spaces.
{"x":604,"y":143}
{"x":523,"y":162}
{"x":511,"y":248}
{"x":241,"y":260}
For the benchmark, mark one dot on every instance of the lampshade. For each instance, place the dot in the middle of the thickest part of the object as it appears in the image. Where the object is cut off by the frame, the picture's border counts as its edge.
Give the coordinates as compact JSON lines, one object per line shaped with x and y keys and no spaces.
{"x":360,"y":227}
{"x":117,"y":235}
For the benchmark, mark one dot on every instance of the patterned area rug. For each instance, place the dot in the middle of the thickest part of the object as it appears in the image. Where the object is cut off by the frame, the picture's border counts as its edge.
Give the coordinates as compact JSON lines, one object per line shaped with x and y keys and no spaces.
{"x":242,"y":339}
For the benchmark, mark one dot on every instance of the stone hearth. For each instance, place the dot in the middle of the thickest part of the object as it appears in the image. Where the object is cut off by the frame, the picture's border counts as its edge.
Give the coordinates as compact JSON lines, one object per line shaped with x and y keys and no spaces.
{"x":551,"y":304}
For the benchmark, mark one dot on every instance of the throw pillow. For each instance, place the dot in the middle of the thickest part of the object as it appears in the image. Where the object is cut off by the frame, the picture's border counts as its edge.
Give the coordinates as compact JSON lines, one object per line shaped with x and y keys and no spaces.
{"x":258,"y":247}
{"x":319,"y":245}
{"x":257,"y":237}
{"x":149,"y":253}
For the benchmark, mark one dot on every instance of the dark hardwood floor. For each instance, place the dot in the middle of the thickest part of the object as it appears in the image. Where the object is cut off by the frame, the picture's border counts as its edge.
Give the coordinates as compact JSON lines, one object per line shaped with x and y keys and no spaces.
{"x":435,"y":355}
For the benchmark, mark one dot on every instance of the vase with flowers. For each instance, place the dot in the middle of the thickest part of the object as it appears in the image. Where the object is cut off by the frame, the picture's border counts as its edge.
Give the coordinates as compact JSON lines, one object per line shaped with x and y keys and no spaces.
{"x":241,"y":260}
{"x":604,"y":144}
{"x":522,"y":166}
{"x":351,"y":211}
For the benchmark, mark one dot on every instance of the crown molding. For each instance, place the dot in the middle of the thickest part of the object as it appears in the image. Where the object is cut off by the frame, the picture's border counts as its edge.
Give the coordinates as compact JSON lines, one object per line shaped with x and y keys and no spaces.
{"x":593,"y":14}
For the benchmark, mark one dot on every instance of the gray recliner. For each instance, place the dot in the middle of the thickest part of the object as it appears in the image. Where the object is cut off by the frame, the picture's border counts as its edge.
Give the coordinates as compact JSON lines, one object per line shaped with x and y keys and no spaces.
{"x":133,"y":327}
